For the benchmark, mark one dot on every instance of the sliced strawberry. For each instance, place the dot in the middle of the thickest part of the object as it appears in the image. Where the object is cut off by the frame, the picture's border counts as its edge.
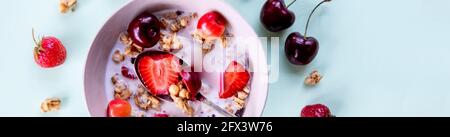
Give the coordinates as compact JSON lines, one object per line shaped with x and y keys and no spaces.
{"x":235,"y":78}
{"x":158,"y":70}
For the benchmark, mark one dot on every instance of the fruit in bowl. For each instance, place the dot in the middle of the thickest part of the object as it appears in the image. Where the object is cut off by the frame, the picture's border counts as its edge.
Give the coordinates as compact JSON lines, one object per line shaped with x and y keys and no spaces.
{"x":211,"y":24}
{"x":159,"y":66}
{"x":144,"y":30}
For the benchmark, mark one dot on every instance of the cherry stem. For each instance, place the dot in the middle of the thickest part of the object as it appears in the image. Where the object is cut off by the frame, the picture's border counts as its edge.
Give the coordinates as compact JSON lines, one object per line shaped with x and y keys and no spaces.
{"x":292,"y":2}
{"x":310,"y":15}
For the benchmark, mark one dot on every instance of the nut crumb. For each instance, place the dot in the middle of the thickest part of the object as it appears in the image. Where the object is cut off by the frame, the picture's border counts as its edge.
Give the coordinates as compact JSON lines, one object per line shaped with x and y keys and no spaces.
{"x":118,"y":57}
{"x":121,"y":89}
{"x":206,"y":43}
{"x":313,"y":78}
{"x":144,"y":100}
{"x":180,"y":97}
{"x":50,"y":104}
{"x":242,"y":95}
{"x":170,"y":42}
{"x":67,"y":5}
{"x":131,"y":49}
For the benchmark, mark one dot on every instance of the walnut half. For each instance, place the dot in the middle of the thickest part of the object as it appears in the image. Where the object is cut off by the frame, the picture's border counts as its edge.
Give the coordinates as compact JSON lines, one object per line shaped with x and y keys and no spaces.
{"x":313,"y":78}
{"x":50,"y":104}
{"x":67,"y":5}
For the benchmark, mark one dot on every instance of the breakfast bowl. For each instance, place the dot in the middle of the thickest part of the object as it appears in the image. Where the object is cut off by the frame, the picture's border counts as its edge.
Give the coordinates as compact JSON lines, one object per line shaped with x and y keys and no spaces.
{"x":110,"y":71}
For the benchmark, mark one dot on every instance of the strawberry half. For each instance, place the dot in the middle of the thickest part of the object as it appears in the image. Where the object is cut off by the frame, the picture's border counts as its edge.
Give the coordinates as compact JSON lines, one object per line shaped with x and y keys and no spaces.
{"x":157,"y":71}
{"x":235,"y":78}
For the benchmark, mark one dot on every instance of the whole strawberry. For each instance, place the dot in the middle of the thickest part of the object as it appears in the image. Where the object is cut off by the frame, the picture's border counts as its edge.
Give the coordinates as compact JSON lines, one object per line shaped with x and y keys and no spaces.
{"x":49,"y":52}
{"x":316,"y":110}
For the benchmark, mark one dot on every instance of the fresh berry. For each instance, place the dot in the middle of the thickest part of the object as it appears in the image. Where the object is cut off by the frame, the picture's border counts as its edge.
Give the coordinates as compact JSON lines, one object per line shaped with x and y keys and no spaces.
{"x":235,"y":78}
{"x":158,"y":70}
{"x":192,"y":82}
{"x":212,"y":24}
{"x":126,"y":73}
{"x":144,"y":30}
{"x":49,"y":52}
{"x":316,"y":110}
{"x":161,"y":115}
{"x":119,"y":108}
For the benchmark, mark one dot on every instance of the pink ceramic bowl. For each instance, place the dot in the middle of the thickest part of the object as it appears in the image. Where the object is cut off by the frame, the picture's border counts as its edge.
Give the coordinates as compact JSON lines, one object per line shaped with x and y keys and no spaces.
{"x":98,"y":57}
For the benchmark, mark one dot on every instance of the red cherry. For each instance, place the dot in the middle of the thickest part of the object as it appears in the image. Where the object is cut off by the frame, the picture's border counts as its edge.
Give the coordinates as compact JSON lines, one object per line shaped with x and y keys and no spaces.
{"x":212,"y":24}
{"x":119,"y":108}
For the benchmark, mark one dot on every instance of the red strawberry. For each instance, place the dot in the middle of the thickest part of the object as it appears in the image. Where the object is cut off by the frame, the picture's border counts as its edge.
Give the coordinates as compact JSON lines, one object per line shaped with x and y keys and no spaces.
{"x":234,"y":79}
{"x":316,"y":110}
{"x":158,"y":70}
{"x":49,"y":52}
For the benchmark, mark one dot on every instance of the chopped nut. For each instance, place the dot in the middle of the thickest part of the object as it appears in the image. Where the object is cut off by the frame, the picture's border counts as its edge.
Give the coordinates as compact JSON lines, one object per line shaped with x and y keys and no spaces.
{"x":238,"y":100}
{"x":121,"y":89}
{"x":239,"y":106}
{"x":184,"y":94}
{"x":174,"y":90}
{"x":118,"y":57}
{"x":242,"y":95}
{"x":115,"y":78}
{"x":183,"y":105}
{"x":66,"y":5}
{"x":176,"y":43}
{"x":313,"y":78}
{"x":50,"y":104}
{"x":164,"y":23}
{"x":144,"y":100}
{"x":180,"y":97}
{"x":170,"y":42}
{"x":175,"y":27}
{"x":125,"y":39}
{"x":183,"y":21}
{"x":246,"y":90}
{"x":131,"y":49}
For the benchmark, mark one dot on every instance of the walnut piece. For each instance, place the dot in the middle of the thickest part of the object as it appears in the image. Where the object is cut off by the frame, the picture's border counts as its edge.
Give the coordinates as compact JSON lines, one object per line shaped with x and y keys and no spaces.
{"x":313,"y":78}
{"x":170,"y":42}
{"x":131,"y":49}
{"x":118,"y":57}
{"x":176,"y":21}
{"x":181,"y":97}
{"x":206,"y":43}
{"x":50,"y":104}
{"x":240,"y":97}
{"x":121,"y":89}
{"x":67,"y":5}
{"x":145,"y":100}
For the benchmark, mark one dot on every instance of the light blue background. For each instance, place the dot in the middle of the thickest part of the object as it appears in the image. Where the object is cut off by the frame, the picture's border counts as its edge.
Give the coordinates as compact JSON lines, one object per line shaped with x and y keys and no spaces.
{"x":378,"y":57}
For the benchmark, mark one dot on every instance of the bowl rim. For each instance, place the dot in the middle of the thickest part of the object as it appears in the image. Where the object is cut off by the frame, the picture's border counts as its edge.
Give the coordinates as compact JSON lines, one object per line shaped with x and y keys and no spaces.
{"x":264,"y":70}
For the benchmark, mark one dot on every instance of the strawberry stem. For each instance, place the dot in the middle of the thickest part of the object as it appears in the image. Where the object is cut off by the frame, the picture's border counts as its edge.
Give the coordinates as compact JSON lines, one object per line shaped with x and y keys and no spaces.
{"x":310,"y":15}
